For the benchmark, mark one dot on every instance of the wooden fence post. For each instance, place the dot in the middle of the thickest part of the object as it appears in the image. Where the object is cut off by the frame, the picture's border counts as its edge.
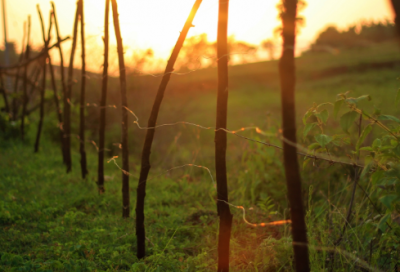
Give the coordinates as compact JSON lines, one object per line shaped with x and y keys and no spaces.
{"x":103,"y":101}
{"x":224,"y":213}
{"x":82,"y":107}
{"x":124,"y":107}
{"x":25,"y":82}
{"x":63,"y":91}
{"x":292,"y":172}
{"x":67,"y":96}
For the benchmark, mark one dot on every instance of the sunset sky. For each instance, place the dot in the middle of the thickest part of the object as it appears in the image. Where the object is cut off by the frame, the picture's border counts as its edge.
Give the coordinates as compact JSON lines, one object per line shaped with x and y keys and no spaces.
{"x":156,"y":23}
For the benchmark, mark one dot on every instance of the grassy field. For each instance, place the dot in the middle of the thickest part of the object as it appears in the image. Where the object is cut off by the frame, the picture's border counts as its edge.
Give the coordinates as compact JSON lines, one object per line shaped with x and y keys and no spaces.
{"x":53,"y":221}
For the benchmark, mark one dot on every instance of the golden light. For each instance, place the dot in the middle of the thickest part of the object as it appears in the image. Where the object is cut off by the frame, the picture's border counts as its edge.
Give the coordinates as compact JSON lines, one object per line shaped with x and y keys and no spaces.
{"x":156,"y":23}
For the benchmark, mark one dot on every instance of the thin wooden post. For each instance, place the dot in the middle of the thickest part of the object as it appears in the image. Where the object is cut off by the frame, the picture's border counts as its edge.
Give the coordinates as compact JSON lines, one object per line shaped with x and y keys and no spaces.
{"x":224,"y":213}
{"x":124,"y":122}
{"x":292,"y":172}
{"x":145,"y":167}
{"x":68,"y":95}
{"x":82,"y":107}
{"x":25,"y":81}
{"x":43,"y":87}
{"x":103,"y":101}
{"x":63,"y":88}
{"x":14,"y":103}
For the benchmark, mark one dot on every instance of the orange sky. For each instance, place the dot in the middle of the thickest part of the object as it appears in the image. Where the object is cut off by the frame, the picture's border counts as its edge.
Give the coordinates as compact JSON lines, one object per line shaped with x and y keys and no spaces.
{"x":156,"y":23}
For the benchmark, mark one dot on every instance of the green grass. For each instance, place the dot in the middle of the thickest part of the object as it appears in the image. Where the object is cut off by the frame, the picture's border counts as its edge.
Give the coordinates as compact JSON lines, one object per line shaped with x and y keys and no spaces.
{"x":53,"y":221}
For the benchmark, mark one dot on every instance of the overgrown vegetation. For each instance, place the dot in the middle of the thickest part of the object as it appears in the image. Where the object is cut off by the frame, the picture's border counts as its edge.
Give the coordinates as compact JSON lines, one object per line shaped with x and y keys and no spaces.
{"x":53,"y":221}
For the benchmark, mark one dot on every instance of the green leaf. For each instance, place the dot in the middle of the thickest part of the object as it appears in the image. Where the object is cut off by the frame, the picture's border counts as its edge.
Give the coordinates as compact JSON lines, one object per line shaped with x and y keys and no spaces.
{"x":388,"y":117}
{"x":347,"y":120}
{"x":396,"y":150}
{"x":364,"y":97}
{"x":324,"y":104}
{"x":323,"y":139}
{"x":366,"y":169}
{"x":307,"y":128}
{"x":388,"y":181}
{"x":363,"y":135}
{"x":306,"y":116}
{"x":337,"y":107}
{"x":340,"y":139}
{"x":387,"y":200}
{"x":382,"y":223}
{"x":352,"y":100}
{"x":323,"y":115}
{"x":377,"y":176}
{"x":313,"y":146}
{"x":377,"y":143}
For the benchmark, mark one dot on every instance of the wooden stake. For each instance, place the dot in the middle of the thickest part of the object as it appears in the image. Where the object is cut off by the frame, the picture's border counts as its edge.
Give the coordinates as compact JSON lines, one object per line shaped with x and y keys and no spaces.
{"x":103,"y":101}
{"x":293,"y":180}
{"x":63,"y":88}
{"x":43,"y":88}
{"x":145,"y":168}
{"x":67,"y":97}
{"x":84,"y":170}
{"x":25,"y":88}
{"x":14,"y":103}
{"x":124,"y":106}
{"x":224,"y":213}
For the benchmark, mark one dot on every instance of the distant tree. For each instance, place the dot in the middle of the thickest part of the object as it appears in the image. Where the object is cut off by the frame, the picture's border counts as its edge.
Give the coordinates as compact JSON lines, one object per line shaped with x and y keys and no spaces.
{"x":369,"y":33}
{"x":198,"y":52}
{"x":269,"y":45}
{"x":139,"y":60}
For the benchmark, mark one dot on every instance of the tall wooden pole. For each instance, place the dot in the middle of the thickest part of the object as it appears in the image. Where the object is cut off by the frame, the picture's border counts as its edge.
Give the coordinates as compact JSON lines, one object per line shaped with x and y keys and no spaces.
{"x":63,"y":87}
{"x":82,"y":151}
{"x":68,"y":95}
{"x":224,"y":213}
{"x":292,"y":172}
{"x":103,"y":101}
{"x":25,"y":82}
{"x":43,"y":87}
{"x":124,"y":122}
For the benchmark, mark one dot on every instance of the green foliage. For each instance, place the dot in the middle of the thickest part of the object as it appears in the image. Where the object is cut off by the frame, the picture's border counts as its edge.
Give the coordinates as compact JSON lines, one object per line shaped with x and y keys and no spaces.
{"x":374,"y":143}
